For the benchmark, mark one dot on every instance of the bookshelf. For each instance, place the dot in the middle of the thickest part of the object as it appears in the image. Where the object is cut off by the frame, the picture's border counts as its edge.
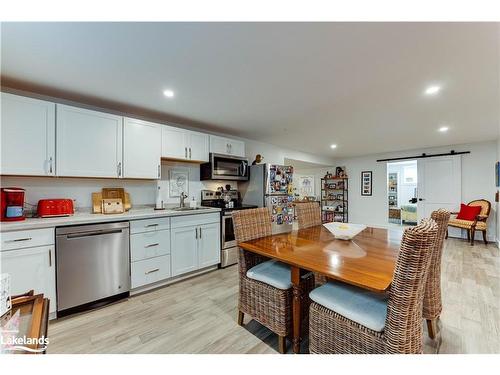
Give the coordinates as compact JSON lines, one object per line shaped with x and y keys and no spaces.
{"x":334,"y":199}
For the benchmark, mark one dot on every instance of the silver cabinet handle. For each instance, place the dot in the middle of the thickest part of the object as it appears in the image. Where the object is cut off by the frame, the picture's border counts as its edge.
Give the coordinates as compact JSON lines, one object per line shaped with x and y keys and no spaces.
{"x":20,"y":239}
{"x":159,"y":168}
{"x":50,"y":165}
{"x":200,"y":232}
{"x":196,"y":233}
{"x":185,"y":152}
{"x":151,"y":225}
{"x":189,"y":152}
{"x":50,"y":258}
{"x":152,"y":245}
{"x":148,"y":272}
{"x":119,"y":168}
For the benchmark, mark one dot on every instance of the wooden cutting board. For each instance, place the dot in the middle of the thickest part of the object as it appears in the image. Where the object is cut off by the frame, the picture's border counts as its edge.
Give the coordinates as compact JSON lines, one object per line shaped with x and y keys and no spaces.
{"x":113,"y":193}
{"x":97,"y":202}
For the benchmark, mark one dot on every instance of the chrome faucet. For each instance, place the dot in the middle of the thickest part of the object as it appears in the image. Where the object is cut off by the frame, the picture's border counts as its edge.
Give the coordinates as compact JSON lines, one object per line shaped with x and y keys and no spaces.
{"x":182,"y":197}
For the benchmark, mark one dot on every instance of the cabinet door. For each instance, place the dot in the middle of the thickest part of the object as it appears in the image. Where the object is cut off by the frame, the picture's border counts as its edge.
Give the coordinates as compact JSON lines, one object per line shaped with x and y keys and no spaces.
{"x":89,"y":143}
{"x":184,"y":252}
{"x":209,"y":244}
{"x":174,"y":143}
{"x":198,"y":146}
{"x":31,"y":268}
{"x":141,"y":149}
{"x":237,"y":148}
{"x":28,"y":136}
{"x":219,"y":145}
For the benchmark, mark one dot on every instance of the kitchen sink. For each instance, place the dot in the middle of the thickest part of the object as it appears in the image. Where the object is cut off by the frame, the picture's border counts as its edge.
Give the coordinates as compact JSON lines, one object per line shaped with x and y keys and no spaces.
{"x":189,"y":208}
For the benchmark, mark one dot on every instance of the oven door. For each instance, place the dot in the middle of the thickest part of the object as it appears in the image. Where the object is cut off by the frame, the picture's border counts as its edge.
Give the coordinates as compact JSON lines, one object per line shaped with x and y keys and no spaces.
{"x":228,"y":238}
{"x":226,"y":167}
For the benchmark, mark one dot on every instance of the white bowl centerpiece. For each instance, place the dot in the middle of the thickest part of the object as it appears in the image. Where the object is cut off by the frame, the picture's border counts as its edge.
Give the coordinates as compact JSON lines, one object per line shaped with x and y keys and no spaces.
{"x":344,"y":231}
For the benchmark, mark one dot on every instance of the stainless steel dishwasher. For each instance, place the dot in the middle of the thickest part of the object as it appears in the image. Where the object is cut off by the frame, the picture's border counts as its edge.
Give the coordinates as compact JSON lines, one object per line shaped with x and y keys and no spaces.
{"x":93,"y":265}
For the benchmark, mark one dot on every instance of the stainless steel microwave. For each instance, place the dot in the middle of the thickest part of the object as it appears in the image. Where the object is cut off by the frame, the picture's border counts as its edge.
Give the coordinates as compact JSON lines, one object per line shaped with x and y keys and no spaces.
{"x":225,"y":167}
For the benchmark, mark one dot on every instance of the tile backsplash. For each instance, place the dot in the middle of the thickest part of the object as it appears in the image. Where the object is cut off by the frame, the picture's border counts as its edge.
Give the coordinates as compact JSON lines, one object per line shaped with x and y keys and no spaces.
{"x":142,"y":192}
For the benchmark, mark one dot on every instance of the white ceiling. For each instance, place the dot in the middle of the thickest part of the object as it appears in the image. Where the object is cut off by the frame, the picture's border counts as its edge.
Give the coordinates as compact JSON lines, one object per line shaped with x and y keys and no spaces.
{"x":300,"y":85}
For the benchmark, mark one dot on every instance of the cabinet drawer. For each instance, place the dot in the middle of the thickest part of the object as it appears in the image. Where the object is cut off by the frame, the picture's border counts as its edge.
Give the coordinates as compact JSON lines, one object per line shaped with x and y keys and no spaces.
{"x":149,"y":225}
{"x":149,"y":271}
{"x":149,"y":244}
{"x":193,"y":220}
{"x":27,"y":238}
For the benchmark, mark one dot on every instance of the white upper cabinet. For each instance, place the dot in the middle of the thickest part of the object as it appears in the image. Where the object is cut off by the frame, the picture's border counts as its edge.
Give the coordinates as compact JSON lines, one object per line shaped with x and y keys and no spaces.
{"x":198,"y":146}
{"x":27,"y":136}
{"x":89,"y":143}
{"x":227,"y":146}
{"x":183,"y":144}
{"x":174,"y":143}
{"x":141,"y":149}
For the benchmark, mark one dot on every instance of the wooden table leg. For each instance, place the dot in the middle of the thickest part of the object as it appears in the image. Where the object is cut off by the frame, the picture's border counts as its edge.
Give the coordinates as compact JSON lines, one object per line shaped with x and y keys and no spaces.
{"x":297,"y":296}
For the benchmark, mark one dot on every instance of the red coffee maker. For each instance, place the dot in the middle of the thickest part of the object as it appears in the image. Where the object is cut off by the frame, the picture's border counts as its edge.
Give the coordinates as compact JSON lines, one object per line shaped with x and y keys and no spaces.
{"x":12,"y":204}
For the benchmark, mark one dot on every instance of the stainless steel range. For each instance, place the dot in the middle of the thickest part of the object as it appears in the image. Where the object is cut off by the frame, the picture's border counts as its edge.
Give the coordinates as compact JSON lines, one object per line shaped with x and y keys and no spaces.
{"x":229,"y":201}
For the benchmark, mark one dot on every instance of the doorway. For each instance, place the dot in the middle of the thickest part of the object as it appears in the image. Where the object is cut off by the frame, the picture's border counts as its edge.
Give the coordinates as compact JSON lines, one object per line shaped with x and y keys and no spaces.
{"x":402,"y":180}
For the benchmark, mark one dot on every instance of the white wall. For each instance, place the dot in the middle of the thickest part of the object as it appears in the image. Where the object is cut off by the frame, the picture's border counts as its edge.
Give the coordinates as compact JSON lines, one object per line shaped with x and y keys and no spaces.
{"x":477,"y":181}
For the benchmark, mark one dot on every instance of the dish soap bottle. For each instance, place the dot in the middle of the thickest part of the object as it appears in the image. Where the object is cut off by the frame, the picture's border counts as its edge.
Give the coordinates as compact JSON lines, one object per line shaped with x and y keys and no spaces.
{"x":192,"y":203}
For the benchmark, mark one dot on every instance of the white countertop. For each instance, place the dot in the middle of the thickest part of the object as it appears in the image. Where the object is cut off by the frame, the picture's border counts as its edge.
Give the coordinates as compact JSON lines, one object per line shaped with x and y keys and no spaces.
{"x":90,"y":218}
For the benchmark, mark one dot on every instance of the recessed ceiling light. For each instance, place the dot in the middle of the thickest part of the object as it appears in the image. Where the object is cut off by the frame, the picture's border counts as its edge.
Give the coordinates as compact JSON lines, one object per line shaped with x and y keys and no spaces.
{"x":443,"y":129}
{"x":333,"y":146}
{"x":168,"y":93}
{"x":432,"y":90}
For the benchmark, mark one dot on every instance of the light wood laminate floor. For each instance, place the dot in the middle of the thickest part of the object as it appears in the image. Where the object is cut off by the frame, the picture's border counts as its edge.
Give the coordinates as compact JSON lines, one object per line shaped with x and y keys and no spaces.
{"x":199,"y":315}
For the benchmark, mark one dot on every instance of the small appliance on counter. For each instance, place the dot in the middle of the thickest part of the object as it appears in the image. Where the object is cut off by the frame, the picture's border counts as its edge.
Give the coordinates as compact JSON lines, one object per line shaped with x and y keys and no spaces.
{"x":229,"y":201}
{"x":55,"y":207}
{"x":12,"y":204}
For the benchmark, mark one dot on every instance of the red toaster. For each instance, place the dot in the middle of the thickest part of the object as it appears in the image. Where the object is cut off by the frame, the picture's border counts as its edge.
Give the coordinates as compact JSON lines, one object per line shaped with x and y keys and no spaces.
{"x":55,"y":207}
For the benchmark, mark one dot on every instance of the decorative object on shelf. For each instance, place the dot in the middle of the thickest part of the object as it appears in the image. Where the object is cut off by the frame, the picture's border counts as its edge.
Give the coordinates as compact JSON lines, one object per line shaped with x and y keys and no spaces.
{"x":178,"y":182}
{"x":340,"y":172}
{"x":258,"y":159}
{"x":328,"y":175}
{"x":366,"y":183}
{"x":334,"y":199}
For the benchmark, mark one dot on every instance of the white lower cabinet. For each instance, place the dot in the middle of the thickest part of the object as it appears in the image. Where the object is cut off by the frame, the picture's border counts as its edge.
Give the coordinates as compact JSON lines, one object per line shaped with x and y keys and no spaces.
{"x":184,"y":250}
{"x":209,"y":245}
{"x":150,"y":271}
{"x":30,"y":267}
{"x":149,"y":251}
{"x":195,"y":243}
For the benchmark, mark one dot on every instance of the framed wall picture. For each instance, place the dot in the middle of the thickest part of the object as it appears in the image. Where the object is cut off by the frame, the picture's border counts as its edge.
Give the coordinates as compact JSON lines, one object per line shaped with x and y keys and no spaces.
{"x":179,"y":182}
{"x":366,"y":183}
{"x":497,"y":174}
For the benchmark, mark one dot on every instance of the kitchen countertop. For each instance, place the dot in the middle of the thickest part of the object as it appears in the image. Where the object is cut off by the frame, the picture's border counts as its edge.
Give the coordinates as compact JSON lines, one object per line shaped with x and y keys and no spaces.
{"x":86,"y":217}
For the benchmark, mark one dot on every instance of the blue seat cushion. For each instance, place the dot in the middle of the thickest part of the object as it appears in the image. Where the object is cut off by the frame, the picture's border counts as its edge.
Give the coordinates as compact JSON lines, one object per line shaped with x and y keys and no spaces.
{"x":359,"y":305}
{"x":273,"y":273}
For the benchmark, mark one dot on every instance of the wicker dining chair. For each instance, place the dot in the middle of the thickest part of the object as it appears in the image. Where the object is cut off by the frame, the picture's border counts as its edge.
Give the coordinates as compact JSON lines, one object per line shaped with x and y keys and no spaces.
{"x":269,"y":305}
{"x":395,"y":320}
{"x":478,"y":224}
{"x":309,"y":215}
{"x":432,"y":305}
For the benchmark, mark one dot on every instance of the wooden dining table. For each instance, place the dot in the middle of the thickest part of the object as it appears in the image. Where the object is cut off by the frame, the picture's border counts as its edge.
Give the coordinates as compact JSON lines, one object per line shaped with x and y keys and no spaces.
{"x":367,"y":261}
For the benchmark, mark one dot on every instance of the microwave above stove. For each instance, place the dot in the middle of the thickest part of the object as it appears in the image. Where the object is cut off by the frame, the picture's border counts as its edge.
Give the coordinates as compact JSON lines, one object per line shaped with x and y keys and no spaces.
{"x":225,"y":167}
